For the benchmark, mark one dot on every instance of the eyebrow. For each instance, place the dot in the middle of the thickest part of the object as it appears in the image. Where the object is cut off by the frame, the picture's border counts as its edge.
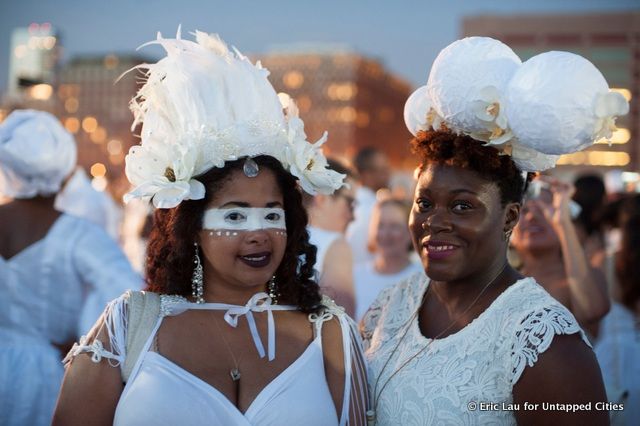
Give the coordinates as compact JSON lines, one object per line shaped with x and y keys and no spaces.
{"x":245,"y":204}
{"x":454,"y":191}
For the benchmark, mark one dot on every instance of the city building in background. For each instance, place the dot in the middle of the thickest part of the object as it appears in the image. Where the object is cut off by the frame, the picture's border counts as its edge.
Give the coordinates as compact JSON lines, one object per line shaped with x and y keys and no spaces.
{"x":35,"y":52}
{"x":95,"y":109}
{"x":352,"y":97}
{"x":611,"y":41}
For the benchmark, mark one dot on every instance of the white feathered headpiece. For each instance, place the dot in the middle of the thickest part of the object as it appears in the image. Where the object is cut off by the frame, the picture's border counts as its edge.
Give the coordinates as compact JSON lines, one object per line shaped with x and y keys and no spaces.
{"x":203,"y":105}
{"x":554,"y":103}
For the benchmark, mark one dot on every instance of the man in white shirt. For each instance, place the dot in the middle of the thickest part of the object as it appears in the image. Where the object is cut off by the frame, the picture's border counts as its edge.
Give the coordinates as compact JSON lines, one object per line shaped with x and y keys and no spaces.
{"x":373,"y":170}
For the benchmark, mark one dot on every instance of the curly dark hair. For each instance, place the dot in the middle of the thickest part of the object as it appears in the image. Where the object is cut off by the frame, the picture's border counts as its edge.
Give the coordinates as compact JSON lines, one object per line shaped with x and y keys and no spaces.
{"x":445,"y":147}
{"x":627,"y":260}
{"x":169,"y":263}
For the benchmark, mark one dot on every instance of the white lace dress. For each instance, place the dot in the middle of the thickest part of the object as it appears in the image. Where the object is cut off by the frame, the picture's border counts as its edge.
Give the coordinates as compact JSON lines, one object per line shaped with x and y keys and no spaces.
{"x":480,"y":363}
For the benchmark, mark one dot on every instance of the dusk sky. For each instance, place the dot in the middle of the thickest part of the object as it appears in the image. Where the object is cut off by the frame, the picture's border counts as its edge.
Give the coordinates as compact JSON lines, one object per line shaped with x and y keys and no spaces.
{"x":404,"y":35}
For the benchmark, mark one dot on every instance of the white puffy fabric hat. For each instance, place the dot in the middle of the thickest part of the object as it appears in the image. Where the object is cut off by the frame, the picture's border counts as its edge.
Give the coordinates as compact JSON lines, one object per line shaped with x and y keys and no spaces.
{"x":36,"y":154}
{"x":555,"y":103}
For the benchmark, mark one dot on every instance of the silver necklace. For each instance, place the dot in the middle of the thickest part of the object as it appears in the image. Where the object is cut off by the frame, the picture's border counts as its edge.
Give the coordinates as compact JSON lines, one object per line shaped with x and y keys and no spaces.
{"x":371,"y":414}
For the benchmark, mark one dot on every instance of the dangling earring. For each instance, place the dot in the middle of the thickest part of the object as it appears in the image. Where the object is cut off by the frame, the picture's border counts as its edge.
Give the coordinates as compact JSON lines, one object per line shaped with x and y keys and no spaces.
{"x":197,"y":281}
{"x":507,"y":234}
{"x":273,"y":290}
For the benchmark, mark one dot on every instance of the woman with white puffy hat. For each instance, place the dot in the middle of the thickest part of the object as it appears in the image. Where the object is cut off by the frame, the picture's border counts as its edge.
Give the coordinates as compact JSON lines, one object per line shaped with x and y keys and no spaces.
{"x":56,"y":270}
{"x":475,"y":342}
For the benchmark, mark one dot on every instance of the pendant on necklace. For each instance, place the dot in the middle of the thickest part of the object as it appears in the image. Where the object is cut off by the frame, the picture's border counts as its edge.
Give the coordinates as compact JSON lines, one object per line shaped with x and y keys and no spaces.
{"x":235,"y":374}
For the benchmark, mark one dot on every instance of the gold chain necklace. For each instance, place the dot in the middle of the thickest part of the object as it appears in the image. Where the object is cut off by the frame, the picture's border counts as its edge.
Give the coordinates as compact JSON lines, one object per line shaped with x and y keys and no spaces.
{"x":371,"y":414}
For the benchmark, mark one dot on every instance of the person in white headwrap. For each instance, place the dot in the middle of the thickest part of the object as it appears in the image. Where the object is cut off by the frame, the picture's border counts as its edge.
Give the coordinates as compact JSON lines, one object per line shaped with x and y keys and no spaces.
{"x":474,"y":342}
{"x":56,"y":270}
{"x":224,"y":159}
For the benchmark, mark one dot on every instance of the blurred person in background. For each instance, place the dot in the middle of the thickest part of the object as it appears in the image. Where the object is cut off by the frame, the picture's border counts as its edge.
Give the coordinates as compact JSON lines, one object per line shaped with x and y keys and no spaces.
{"x":374,"y":173}
{"x":56,"y":270}
{"x":329,"y":216}
{"x":390,"y":243}
{"x":618,"y":343}
{"x":547,"y":244}
{"x":590,"y":194}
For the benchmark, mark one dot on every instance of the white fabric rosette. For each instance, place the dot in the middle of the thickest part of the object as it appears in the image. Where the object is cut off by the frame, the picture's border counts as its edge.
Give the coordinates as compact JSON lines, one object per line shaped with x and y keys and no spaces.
{"x":203,"y":105}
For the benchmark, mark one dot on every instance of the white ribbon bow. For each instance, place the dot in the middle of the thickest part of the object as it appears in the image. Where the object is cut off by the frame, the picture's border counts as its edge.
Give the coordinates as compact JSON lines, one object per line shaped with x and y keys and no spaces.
{"x":260,"y":302}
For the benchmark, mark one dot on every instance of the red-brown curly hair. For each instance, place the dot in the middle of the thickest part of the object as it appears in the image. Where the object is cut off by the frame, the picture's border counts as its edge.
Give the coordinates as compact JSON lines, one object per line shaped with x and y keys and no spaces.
{"x":448,"y":148}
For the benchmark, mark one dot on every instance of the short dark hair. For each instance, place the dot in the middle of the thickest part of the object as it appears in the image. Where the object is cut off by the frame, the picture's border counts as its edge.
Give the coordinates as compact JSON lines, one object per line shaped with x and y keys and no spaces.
{"x":590,"y":195}
{"x":363,"y":159}
{"x":169,"y":263}
{"x":445,"y":147}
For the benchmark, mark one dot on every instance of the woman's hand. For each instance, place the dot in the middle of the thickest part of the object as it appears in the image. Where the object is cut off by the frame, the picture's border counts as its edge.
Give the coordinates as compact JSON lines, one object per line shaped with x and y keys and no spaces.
{"x":557,"y":210}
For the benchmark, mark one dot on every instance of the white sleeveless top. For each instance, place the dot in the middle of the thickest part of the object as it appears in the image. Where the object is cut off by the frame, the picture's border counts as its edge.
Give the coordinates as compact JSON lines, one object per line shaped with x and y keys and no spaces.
{"x":480,"y":363}
{"x":159,"y":392}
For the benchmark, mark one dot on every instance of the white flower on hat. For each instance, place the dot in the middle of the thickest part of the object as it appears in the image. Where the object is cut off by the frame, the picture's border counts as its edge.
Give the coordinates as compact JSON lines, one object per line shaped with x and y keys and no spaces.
{"x":609,"y":106}
{"x":309,"y":165}
{"x":530,"y":160}
{"x":419,"y":113}
{"x":163,"y":173}
{"x":488,"y":109}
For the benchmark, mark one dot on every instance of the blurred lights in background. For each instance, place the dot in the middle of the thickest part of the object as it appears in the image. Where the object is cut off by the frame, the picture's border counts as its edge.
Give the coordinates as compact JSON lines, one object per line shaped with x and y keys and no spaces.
{"x":99,"y":183}
{"x":114,"y":147}
{"x":620,"y":136}
{"x":41,"y":92}
{"x":624,"y":92}
{"x":342,"y":91}
{"x":89,"y":124}
{"x":596,"y":158}
{"x":98,"y":170}
{"x":293,"y":79}
{"x":72,"y":124}
{"x":71,"y":105}
{"x":99,"y":136}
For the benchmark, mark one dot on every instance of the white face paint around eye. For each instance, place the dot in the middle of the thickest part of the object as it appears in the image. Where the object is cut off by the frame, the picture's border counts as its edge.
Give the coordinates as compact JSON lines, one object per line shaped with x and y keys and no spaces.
{"x":243,"y":219}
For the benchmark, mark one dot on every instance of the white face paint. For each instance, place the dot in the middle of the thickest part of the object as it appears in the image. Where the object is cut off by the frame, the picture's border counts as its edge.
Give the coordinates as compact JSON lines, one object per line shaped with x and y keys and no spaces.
{"x":244,"y":219}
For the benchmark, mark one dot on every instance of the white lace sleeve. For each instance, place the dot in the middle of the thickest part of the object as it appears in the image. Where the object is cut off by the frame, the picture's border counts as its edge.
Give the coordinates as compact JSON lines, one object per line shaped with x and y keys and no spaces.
{"x":111,"y":325}
{"x":355,"y":401}
{"x":372,"y":316}
{"x":536,"y":331}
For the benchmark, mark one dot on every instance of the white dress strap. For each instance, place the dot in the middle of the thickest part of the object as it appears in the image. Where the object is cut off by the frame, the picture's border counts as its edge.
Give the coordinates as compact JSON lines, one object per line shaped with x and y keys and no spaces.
{"x":356,"y":395}
{"x":114,"y":322}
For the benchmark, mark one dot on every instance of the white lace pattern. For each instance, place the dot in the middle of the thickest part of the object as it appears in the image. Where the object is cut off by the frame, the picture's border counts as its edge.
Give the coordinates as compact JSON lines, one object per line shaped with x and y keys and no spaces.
{"x":480,"y":363}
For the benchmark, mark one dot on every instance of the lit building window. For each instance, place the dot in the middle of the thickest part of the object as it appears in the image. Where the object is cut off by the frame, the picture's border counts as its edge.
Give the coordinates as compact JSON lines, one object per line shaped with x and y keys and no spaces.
{"x":620,"y":136}
{"x":341,"y":91}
